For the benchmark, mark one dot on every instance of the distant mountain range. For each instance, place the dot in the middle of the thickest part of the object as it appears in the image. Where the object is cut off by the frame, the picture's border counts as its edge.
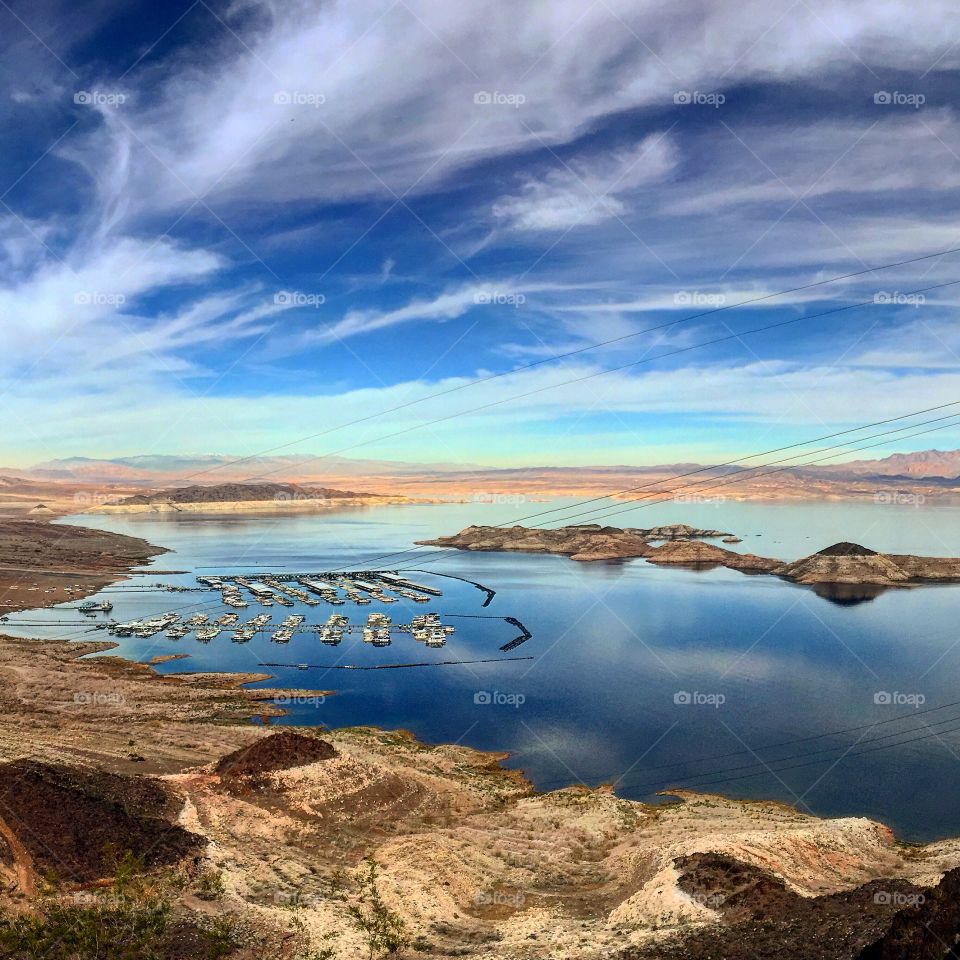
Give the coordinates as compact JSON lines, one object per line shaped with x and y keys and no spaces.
{"x":924,"y":463}
{"x":217,"y":468}
{"x":208,"y":469}
{"x":928,"y":473}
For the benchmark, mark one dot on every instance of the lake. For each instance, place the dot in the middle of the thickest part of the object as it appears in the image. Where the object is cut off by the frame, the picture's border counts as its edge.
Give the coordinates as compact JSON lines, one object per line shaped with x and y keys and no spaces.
{"x":638,"y":672}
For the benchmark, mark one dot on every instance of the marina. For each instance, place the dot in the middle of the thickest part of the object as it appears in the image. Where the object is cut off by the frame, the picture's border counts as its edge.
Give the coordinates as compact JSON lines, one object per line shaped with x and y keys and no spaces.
{"x":333,"y":587}
{"x":611,"y":640}
{"x":426,"y":628}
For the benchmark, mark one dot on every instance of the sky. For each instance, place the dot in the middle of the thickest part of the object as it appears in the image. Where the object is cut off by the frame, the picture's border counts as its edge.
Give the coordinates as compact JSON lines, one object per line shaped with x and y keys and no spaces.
{"x":228,"y":227}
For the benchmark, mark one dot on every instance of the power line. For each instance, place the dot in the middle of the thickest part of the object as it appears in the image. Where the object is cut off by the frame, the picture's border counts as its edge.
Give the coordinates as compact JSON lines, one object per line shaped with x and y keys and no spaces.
{"x":811,"y":763}
{"x":584,"y":378}
{"x":566,"y":355}
{"x":722,"y":485}
{"x":809,"y":753}
{"x":611,"y":512}
{"x":744,"y":477}
{"x":738,"y":460}
{"x":794,"y":741}
{"x":619,"y":493}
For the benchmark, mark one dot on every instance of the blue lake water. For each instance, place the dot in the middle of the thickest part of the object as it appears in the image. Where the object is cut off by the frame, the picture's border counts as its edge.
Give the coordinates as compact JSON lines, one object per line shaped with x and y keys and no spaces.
{"x":637,"y":671}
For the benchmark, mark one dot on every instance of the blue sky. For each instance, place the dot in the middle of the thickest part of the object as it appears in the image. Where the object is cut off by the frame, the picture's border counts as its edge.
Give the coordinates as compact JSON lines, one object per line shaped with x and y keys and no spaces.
{"x":225,"y":226}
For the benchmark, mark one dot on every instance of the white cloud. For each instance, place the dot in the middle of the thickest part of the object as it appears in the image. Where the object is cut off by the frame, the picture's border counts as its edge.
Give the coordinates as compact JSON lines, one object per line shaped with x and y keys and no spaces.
{"x":588,"y":190}
{"x":777,"y":164}
{"x":130,"y":416}
{"x":79,"y":325}
{"x":449,"y":305}
{"x":398,"y":112}
{"x":398,"y":83}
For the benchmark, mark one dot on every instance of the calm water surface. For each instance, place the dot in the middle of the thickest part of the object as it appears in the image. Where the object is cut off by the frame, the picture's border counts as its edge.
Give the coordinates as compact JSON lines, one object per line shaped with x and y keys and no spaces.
{"x":618,"y":651}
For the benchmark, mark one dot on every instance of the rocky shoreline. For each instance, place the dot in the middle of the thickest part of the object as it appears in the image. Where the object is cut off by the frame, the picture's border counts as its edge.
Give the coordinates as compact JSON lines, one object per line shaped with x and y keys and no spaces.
{"x":841,"y":564}
{"x":42,"y":563}
{"x":471,"y":859}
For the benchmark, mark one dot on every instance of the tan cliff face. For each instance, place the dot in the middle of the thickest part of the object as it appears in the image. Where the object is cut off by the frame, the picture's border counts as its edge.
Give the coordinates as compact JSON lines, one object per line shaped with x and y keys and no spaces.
{"x":473,"y":862}
{"x":477,"y":865}
{"x":698,"y":553}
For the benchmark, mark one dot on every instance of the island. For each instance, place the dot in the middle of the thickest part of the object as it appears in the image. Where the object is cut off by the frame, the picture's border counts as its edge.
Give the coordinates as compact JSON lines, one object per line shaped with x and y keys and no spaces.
{"x":842,"y":563}
{"x":582,"y":541}
{"x":245,"y":497}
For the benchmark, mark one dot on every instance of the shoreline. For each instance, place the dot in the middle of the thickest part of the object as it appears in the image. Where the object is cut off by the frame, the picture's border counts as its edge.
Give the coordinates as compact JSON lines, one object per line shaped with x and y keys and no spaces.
{"x":66,"y":562}
{"x":266,"y":507}
{"x":470,"y":854}
{"x":473,"y":858}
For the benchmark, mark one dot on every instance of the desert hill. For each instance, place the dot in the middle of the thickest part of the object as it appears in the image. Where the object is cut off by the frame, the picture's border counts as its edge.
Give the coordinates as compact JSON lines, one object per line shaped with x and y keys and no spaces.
{"x":841,"y":563}
{"x":240,"y":493}
{"x":588,"y":541}
{"x":932,"y":473}
{"x":699,"y":554}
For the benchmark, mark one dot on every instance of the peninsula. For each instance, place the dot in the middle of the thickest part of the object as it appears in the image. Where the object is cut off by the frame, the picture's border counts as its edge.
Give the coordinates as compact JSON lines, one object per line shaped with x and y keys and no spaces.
{"x":244,"y":497}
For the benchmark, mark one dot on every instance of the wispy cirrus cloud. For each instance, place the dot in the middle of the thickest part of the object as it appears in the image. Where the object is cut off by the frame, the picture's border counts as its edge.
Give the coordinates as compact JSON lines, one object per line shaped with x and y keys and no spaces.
{"x":406,"y":158}
{"x":587,"y":190}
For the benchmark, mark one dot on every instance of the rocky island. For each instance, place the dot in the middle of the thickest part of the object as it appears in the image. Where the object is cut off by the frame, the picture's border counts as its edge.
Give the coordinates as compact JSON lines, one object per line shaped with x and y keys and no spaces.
{"x":244,"y":497}
{"x":841,"y":564}
{"x":584,"y":541}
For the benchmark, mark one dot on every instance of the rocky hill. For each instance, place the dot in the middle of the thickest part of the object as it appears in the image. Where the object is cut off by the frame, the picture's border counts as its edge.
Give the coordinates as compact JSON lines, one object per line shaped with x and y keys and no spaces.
{"x":696,"y":553}
{"x":588,"y":541}
{"x":923,"y":463}
{"x":851,"y":563}
{"x":841,"y":563}
{"x":241,"y":493}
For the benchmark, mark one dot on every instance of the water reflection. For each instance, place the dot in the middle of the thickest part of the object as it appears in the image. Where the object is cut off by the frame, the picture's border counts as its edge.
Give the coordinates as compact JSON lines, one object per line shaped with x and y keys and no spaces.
{"x":614,"y":646}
